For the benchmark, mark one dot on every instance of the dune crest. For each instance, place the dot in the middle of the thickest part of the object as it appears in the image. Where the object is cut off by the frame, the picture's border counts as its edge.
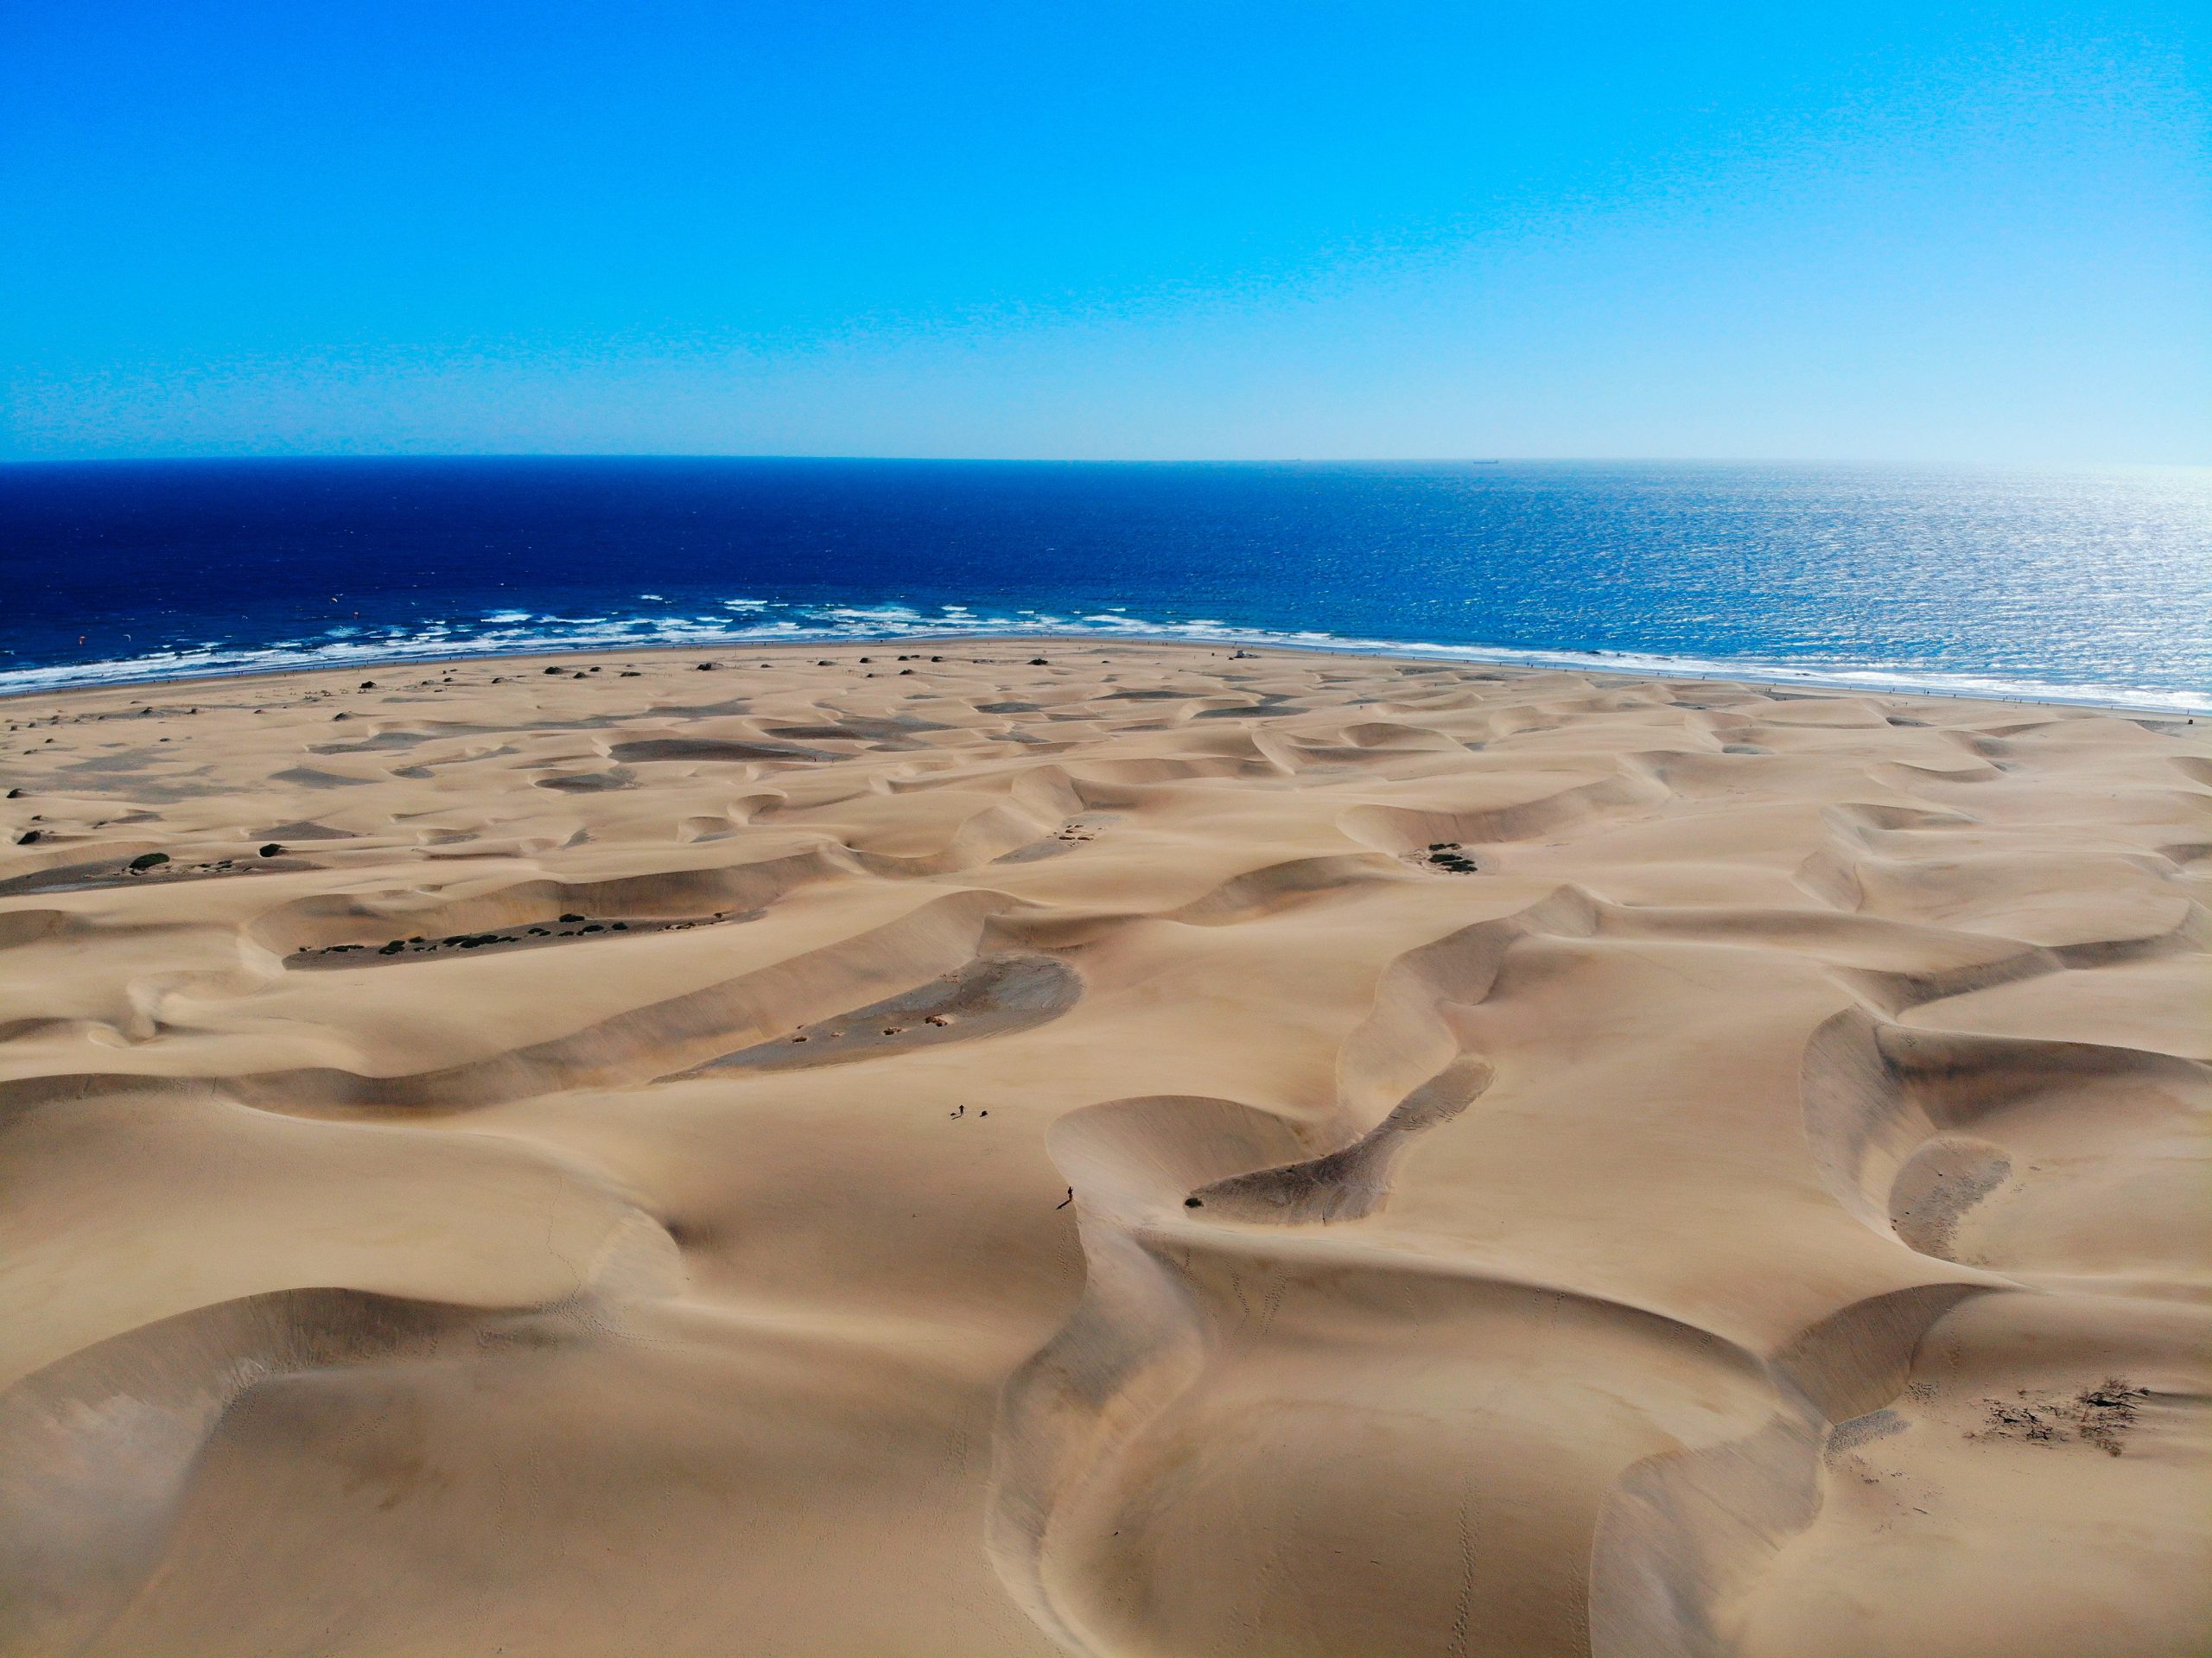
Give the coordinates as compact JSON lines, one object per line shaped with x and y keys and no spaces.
{"x":1026,"y":1147}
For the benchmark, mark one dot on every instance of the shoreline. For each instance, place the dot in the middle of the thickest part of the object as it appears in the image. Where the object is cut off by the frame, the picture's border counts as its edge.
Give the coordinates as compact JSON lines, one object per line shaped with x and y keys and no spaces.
{"x":1862,"y":683}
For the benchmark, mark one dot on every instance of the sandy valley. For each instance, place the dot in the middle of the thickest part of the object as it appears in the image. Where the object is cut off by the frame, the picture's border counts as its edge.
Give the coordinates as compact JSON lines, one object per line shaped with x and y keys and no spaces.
{"x":1015,"y":1147}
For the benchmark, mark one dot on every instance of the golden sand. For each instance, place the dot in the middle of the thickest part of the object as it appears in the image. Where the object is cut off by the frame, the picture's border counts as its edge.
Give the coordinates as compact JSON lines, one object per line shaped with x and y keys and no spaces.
{"x":1147,"y":1152}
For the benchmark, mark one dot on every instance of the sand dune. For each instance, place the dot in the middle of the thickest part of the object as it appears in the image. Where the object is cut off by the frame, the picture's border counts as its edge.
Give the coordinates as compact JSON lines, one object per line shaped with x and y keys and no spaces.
{"x":1017,"y":1148}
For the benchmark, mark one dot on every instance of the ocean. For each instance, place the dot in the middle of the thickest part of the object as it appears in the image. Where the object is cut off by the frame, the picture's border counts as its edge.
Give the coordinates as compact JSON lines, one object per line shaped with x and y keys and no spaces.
{"x":2087,"y":586}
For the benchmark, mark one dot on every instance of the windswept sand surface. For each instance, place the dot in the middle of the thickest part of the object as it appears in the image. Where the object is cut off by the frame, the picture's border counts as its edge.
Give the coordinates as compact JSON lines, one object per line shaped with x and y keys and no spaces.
{"x":1150,"y":1152}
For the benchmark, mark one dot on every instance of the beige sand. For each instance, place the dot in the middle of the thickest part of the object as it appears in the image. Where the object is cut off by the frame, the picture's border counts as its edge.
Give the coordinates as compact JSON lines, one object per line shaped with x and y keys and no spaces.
{"x":1559,"y":1164}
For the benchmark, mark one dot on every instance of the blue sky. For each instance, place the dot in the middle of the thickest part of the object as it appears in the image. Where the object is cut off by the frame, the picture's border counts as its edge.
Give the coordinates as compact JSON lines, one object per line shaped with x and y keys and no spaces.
{"x":1916,"y":232}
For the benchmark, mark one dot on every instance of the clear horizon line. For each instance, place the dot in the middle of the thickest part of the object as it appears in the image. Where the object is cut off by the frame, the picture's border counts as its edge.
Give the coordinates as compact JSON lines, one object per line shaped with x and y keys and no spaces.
{"x":367,"y":456}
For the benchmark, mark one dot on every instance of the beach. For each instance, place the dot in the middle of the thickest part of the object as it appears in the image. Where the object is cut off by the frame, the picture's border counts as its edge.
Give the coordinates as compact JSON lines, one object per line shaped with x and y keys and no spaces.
{"x":993,"y":1145}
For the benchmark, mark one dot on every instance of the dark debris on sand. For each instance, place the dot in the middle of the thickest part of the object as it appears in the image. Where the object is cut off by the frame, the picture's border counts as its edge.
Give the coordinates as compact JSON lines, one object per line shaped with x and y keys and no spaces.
{"x":521,"y":935}
{"x":2100,"y":1416}
{"x":1447,"y":857}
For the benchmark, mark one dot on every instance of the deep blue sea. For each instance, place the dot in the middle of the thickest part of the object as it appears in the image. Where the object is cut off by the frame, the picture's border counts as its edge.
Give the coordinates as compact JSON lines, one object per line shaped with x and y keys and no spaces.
{"x":2088,"y":585}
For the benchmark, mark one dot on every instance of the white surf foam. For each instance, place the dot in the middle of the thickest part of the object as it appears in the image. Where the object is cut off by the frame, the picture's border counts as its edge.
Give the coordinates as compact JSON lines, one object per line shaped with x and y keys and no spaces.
{"x":738,"y":622}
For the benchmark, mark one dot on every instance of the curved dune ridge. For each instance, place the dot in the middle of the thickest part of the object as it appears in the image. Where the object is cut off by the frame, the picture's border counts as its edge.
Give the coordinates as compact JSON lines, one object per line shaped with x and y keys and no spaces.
{"x":1032,"y":1146}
